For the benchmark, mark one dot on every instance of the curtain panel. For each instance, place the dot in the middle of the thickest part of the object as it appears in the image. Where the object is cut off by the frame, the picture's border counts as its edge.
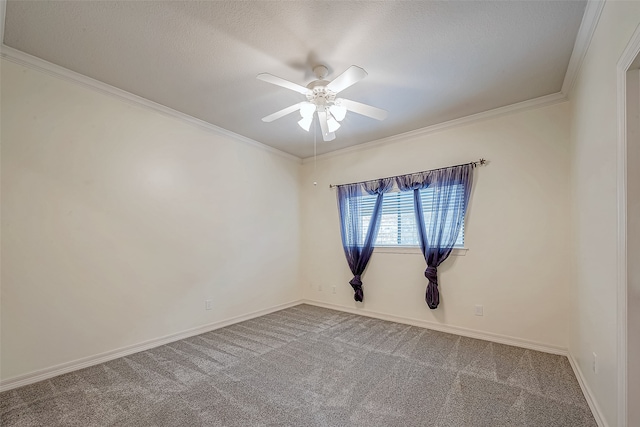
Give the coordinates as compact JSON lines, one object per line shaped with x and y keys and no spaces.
{"x":359,"y":237}
{"x":438,"y":237}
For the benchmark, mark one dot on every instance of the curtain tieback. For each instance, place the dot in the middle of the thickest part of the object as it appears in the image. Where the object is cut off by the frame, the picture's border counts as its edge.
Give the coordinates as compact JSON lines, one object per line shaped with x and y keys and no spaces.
{"x":431,"y":273}
{"x":433,"y":295}
{"x":356,"y":284}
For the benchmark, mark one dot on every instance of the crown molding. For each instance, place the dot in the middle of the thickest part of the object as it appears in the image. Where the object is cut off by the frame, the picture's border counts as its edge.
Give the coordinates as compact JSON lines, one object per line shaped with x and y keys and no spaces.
{"x":54,"y":70}
{"x":589,"y":23}
{"x":588,"y":26}
{"x":590,"y":19}
{"x":543,"y":101}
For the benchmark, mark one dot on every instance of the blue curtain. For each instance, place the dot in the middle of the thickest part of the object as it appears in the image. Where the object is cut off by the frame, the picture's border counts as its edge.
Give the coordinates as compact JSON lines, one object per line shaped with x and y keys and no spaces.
{"x":438,"y":238}
{"x":358,"y":238}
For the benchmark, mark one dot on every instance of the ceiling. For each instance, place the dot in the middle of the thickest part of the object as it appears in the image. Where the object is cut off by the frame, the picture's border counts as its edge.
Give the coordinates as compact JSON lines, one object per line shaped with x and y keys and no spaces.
{"x":428,"y":61}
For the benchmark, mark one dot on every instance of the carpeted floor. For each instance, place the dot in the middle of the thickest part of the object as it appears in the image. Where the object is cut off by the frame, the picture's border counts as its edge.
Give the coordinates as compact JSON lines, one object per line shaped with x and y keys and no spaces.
{"x":309,"y":366}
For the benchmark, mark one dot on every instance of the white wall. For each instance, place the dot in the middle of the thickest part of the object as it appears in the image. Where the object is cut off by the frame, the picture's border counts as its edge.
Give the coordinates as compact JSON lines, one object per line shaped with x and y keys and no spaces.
{"x":119,"y":222}
{"x":516,"y":229}
{"x":594,"y":215}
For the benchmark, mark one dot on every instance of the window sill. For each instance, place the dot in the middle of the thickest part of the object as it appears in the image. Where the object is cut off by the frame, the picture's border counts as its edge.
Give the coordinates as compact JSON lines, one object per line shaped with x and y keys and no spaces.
{"x":412,"y":250}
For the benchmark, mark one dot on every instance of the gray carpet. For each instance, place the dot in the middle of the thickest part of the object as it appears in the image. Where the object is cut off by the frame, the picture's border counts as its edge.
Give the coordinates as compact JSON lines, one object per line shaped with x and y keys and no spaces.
{"x":309,"y":366}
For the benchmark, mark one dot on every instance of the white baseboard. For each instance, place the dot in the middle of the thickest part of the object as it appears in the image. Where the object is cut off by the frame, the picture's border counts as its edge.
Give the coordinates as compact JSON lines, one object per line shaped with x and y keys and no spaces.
{"x":588,"y":395}
{"x":85,"y":362}
{"x":487,"y":336}
{"x":457,"y":330}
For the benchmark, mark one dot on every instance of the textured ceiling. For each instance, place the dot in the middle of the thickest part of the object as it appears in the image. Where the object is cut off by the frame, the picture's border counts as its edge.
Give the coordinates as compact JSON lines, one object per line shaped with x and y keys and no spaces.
{"x":428,"y":62}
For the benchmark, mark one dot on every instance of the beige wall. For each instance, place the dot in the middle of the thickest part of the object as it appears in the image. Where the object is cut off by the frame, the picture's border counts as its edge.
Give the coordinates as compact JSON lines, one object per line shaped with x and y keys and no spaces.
{"x":119,"y":222}
{"x":516,"y":229}
{"x":594,"y":208}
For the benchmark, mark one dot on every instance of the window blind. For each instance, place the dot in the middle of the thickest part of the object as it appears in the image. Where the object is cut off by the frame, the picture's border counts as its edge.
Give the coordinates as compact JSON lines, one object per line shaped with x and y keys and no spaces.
{"x":398,"y":222}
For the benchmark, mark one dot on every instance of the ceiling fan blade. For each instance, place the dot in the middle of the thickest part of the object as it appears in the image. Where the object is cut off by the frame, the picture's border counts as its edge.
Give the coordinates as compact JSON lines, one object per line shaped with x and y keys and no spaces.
{"x":364,"y":109}
{"x":282,"y":113}
{"x":326,"y":135}
{"x":353,"y":75}
{"x":270,"y":78}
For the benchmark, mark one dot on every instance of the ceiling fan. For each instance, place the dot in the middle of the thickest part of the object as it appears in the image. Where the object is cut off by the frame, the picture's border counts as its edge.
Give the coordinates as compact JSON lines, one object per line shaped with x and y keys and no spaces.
{"x":321,"y":99}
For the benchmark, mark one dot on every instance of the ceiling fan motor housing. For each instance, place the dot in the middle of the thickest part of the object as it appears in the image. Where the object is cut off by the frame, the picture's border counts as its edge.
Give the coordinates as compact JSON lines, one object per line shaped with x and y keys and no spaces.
{"x":320,"y":71}
{"x":320,"y":95}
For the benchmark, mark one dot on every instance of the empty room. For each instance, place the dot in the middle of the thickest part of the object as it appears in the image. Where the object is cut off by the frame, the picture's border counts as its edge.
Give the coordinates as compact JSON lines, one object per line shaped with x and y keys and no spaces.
{"x":320,"y":213}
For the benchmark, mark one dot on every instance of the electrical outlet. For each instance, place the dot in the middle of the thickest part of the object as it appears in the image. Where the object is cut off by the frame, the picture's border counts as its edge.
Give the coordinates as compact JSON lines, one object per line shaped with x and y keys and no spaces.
{"x":479,"y":310}
{"x":595,"y":363}
{"x":333,"y":289}
{"x":207,"y":304}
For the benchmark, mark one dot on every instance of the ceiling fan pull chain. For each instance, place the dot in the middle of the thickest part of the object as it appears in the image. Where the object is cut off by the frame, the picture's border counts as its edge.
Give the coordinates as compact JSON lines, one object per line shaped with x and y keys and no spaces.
{"x":315,"y":175}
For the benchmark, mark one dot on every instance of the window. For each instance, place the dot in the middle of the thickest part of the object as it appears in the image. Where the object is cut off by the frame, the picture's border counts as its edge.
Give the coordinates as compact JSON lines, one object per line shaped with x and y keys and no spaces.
{"x":398,"y":221}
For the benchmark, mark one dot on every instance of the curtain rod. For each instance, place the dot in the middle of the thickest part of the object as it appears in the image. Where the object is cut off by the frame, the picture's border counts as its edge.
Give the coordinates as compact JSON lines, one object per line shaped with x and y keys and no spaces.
{"x":480,"y":162}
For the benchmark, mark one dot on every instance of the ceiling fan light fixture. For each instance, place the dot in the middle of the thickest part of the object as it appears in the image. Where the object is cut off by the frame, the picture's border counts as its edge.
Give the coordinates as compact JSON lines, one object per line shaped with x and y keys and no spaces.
{"x":305,"y":123}
{"x":307,"y":109}
{"x":332,"y":124}
{"x":338,"y":111}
